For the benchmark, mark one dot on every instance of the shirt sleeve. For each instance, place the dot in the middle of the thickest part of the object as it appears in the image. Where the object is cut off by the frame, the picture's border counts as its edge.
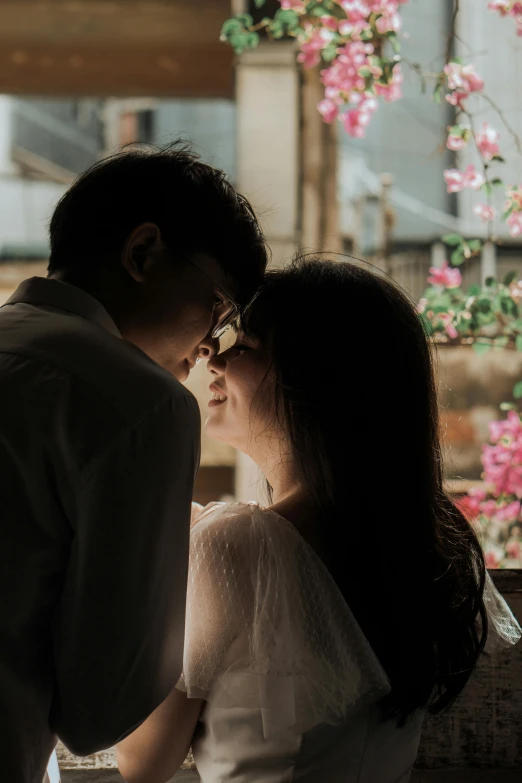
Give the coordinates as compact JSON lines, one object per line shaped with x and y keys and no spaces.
{"x":118,"y":638}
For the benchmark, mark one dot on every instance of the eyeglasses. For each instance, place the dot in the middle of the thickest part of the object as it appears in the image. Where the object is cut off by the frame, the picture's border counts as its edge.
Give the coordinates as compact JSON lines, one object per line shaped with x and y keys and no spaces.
{"x":227,"y":311}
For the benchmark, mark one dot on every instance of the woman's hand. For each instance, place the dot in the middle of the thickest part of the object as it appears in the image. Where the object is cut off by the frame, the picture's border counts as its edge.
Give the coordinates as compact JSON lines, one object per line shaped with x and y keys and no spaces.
{"x":155,"y":751}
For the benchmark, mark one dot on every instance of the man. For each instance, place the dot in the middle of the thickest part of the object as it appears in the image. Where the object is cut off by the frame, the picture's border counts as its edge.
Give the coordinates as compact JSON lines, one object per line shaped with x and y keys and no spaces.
{"x":152,"y":254}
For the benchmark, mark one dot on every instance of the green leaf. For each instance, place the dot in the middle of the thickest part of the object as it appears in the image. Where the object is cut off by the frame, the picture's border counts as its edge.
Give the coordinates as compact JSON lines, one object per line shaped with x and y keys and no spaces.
{"x":508,"y":212}
{"x":259,"y":3}
{"x":457,"y":60}
{"x":509,"y":306}
{"x":518,"y":342}
{"x":330,"y":52}
{"x":438,"y":92}
{"x":288,"y":19}
{"x":501,"y":342}
{"x":247,"y":20}
{"x":231,"y":26}
{"x":498,"y":158}
{"x":484,"y":305}
{"x":481,"y":347}
{"x":517,"y":391}
{"x":453,"y":239}
{"x":395,"y":44}
{"x":475,"y":244}
{"x":474,"y":290}
{"x":489,"y":282}
{"x":496,"y":182}
{"x":457,"y":257}
{"x":508,"y":279}
{"x":487,"y":188}
{"x":276,"y":29}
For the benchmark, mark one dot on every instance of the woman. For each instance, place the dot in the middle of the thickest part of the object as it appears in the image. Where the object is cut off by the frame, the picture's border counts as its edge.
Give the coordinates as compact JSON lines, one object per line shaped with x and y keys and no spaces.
{"x":319,"y":630}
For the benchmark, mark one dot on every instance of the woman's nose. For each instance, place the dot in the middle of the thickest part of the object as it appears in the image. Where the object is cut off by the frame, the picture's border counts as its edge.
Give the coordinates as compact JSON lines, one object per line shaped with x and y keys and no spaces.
{"x":217,"y":363}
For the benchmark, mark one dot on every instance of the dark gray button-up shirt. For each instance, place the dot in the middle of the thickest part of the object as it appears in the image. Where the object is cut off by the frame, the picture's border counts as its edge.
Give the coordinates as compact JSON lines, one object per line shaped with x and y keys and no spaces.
{"x":98,"y":452}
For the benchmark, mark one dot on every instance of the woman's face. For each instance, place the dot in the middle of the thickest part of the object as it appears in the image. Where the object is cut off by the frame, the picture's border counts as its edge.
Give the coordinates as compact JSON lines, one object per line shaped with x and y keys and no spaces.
{"x":238,"y":414}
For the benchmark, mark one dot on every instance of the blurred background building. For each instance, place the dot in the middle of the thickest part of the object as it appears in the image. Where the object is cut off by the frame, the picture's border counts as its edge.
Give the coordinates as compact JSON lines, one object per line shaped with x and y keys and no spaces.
{"x":79,"y":80}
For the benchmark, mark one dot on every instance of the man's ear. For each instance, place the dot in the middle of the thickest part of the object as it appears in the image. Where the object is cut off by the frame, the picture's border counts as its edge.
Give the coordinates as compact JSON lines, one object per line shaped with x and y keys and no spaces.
{"x":140,"y":247}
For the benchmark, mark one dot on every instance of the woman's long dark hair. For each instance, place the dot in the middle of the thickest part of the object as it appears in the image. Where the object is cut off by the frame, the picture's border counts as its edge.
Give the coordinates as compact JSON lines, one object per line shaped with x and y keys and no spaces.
{"x":355,"y":393}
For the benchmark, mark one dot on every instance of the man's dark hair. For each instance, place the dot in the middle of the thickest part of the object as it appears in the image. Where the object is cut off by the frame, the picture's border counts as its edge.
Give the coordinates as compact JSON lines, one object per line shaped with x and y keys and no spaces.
{"x":195,"y":207}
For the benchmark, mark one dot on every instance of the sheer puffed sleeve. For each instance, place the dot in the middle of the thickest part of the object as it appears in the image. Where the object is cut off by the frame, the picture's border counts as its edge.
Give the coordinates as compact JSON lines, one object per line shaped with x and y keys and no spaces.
{"x":503,"y":628}
{"x":267,"y":628}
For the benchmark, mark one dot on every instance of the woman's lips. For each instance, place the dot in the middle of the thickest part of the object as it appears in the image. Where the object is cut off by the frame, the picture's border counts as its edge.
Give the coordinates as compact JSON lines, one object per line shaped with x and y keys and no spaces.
{"x":218,"y":396}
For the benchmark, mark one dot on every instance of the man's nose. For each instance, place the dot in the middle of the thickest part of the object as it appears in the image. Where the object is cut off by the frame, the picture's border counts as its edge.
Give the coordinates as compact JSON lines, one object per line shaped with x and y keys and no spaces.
{"x":208,"y":347}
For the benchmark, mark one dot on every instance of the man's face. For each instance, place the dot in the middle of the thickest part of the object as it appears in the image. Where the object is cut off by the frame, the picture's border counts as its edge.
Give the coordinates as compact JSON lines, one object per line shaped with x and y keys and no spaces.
{"x":176,"y":307}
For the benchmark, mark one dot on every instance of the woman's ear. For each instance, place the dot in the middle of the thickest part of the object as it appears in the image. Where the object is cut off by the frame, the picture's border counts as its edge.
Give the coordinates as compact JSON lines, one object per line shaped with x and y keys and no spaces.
{"x":140,"y":247}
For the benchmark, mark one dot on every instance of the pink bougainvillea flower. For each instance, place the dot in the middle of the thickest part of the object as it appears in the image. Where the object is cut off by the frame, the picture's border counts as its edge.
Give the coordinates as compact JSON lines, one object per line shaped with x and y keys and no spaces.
{"x":310,"y":54}
{"x":388,"y":23}
{"x":454,"y":180}
{"x":487,"y":142}
{"x":447,"y":321}
{"x":502,"y":6}
{"x":356,"y":9}
{"x":462,"y":80}
{"x":458,"y":180}
{"x":393,"y":90}
{"x":477,"y":493}
{"x":293,"y":5}
{"x":484,"y":212}
{"x":353,"y":29}
{"x":469,"y":507}
{"x":502,"y":459}
{"x":445,"y":275}
{"x":513,"y":548}
{"x":328,"y":109}
{"x":509,"y":512}
{"x":456,"y":142}
{"x":514,"y":222}
{"x":511,"y":427}
{"x":330,"y":22}
{"x":356,"y":120}
{"x":514,"y":198}
{"x":491,"y":559}
{"x":456,"y":98}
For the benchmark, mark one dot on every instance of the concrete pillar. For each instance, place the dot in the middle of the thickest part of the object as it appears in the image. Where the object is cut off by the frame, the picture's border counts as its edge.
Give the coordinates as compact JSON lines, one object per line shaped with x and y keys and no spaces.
{"x":268,"y":158}
{"x":488,"y":261}
{"x":268,"y":149}
{"x":6,"y":132}
{"x":287,"y":167}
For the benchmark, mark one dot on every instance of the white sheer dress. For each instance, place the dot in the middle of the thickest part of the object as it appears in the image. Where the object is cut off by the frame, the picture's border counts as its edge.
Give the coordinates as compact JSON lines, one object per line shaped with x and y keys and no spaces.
{"x":290,"y":681}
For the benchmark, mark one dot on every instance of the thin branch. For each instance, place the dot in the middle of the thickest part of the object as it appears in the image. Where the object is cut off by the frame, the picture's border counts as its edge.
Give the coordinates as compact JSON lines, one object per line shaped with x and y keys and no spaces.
{"x":512,"y":132}
{"x":453,"y":32}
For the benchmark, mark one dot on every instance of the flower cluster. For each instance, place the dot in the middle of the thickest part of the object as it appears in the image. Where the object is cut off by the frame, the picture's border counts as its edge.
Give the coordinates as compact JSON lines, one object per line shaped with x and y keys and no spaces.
{"x":445,"y":276}
{"x":356,"y":40}
{"x":508,"y":8}
{"x":459,"y":180}
{"x":461,"y":80}
{"x":359,"y":73}
{"x":513,"y":210}
{"x":485,"y":316}
{"x":496,"y":506}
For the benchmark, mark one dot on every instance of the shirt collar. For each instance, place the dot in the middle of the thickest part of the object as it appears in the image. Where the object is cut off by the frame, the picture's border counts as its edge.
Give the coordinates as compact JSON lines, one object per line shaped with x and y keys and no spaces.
{"x":48,"y":292}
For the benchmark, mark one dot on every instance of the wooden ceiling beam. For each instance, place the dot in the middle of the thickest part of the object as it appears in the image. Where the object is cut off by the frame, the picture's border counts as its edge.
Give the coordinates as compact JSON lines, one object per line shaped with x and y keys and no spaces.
{"x":115,"y":47}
